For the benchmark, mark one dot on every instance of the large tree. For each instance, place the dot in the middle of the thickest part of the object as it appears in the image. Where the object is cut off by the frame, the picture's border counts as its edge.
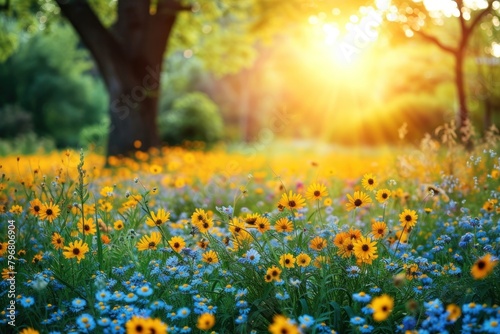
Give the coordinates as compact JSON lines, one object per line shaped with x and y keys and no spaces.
{"x":432,"y":24}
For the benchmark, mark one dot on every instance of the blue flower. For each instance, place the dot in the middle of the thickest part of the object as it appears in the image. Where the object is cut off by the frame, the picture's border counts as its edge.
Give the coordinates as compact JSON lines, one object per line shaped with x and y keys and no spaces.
{"x":356,"y":321}
{"x":85,"y":322}
{"x":185,"y":330}
{"x":183,"y":312}
{"x":491,"y":325}
{"x":306,"y":321}
{"x":103,"y":296}
{"x":241,"y":319}
{"x":130,"y":297}
{"x":242,"y":304}
{"x":27,"y":301}
{"x":353,"y":271}
{"x":104,"y":322}
{"x":282,"y":296}
{"x":361,"y":297}
{"x":471,"y":308}
{"x":365,"y":328}
{"x":144,"y":291}
{"x":252,"y":256}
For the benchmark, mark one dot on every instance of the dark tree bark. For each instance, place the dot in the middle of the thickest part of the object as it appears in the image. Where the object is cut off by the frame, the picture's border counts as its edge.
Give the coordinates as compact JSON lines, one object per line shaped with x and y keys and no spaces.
{"x":459,"y":54}
{"x":129,"y":56}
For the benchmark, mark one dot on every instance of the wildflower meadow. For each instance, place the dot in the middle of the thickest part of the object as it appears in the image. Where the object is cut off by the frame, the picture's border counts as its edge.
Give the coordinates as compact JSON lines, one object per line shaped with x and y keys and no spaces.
{"x":192,"y":241}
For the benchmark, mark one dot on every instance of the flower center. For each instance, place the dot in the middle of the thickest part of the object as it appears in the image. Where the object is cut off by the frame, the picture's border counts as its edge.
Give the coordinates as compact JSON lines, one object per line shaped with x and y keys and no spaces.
{"x":358,"y":202}
{"x":365,"y":248}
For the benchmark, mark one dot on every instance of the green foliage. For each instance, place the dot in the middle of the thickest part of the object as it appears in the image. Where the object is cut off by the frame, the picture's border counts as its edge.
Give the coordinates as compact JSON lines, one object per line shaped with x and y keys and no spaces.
{"x":25,"y":144}
{"x":50,"y":80}
{"x":15,"y":121}
{"x":95,"y":136}
{"x":195,"y":117}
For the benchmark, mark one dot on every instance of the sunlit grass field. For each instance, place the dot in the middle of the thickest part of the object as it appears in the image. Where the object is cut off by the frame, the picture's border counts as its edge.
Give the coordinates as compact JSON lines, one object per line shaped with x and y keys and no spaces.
{"x":270,"y":238}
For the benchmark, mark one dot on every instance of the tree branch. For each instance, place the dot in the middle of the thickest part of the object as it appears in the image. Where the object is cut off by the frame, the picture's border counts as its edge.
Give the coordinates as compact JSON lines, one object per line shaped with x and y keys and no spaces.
{"x":480,"y":16}
{"x":100,"y":42}
{"x":436,"y":41}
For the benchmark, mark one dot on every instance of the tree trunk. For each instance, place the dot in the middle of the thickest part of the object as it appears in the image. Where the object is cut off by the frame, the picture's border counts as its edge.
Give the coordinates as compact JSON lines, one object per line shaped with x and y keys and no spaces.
{"x":463,"y":112}
{"x":129,"y":56}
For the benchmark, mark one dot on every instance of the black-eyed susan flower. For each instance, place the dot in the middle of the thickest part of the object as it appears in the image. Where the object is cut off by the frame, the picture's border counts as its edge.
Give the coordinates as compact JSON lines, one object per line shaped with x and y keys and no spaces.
{"x":292,"y":201}
{"x":369,"y":182}
{"x":6,"y":274}
{"x":205,"y":321}
{"x":379,"y":230}
{"x":203,"y":243}
{"x":49,"y":212}
{"x":483,"y":267}
{"x":137,"y":325}
{"x":251,"y":218}
{"x":118,"y":225}
{"x":282,"y":325}
{"x":158,"y":219}
{"x":382,"y":307}
{"x":383,"y":195}
{"x":205,"y":225}
{"x":283,"y":225}
{"x":340,"y":237}
{"x":454,"y":312}
{"x":35,"y":207}
{"x":316,"y":192}
{"x":287,"y":260}
{"x":237,"y":228}
{"x":358,"y":200}
{"x":365,"y":250}
{"x":210,"y":257}
{"x":274,"y":273}
{"x":354,"y":234}
{"x":199,"y":215}
{"x":177,"y":243}
{"x":149,"y":242}
{"x":76,"y":249}
{"x":263,"y":224}
{"x":303,"y":260}
{"x":345,"y":250}
{"x":408,"y":218}
{"x":57,"y":241}
{"x":86,"y":226}
{"x":318,"y":243}
{"x":107,"y":191}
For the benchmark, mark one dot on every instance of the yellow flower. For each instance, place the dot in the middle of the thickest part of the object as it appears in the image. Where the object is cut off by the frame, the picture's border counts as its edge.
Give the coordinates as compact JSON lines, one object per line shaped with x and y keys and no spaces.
{"x":379,"y":230}
{"x":282,"y":325}
{"x":49,"y":212}
{"x":274,"y":272}
{"x":76,"y":249}
{"x":118,"y":225}
{"x":210,"y":257}
{"x":263,"y":224}
{"x":382,"y":307}
{"x":316,"y":191}
{"x":86,"y":226}
{"x":369,"y":182}
{"x":454,"y":312}
{"x":177,"y":244}
{"x":383,"y":195}
{"x":408,"y":218}
{"x":137,"y":325}
{"x":287,"y":260}
{"x":29,"y":330}
{"x":365,"y":250}
{"x":35,"y":207}
{"x":318,"y":243}
{"x":16,"y":209}
{"x":292,"y":201}
{"x":358,"y":200}
{"x":303,"y":260}
{"x":198,"y":216}
{"x":57,"y":241}
{"x":205,"y":321}
{"x":149,"y":242}
{"x":251,"y":218}
{"x":107,"y":191}
{"x":158,"y":219}
{"x":283,"y":225}
{"x":483,"y":267}
{"x":205,"y":225}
